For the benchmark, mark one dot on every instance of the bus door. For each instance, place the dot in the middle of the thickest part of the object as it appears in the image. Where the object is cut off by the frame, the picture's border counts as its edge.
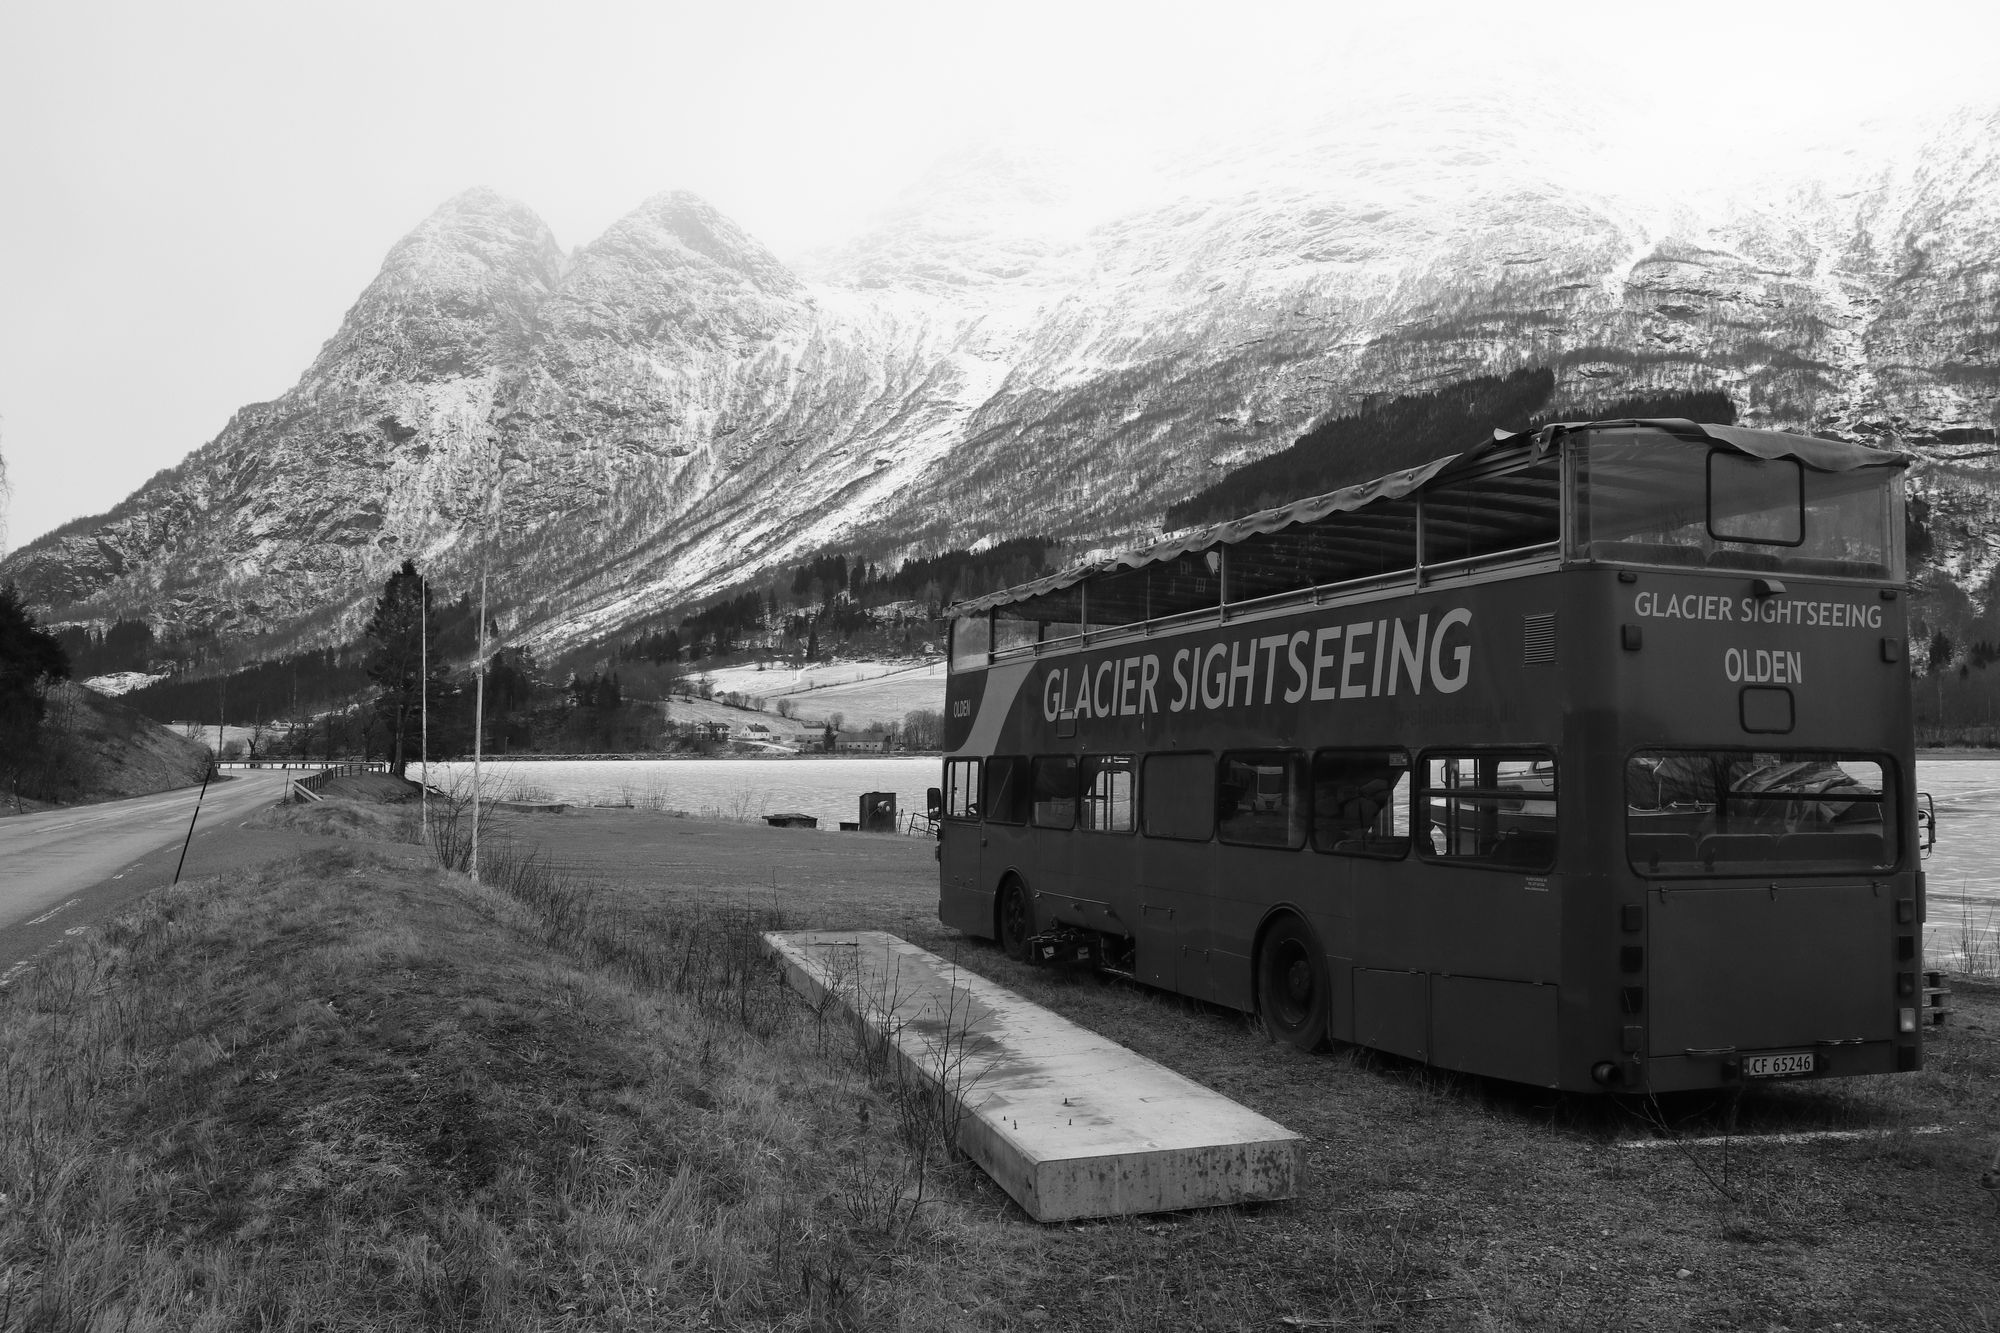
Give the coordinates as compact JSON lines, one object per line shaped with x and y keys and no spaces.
{"x":965,"y":900}
{"x":1007,"y":841}
{"x":1177,"y":868}
{"x":1101,"y":853}
{"x":1770,"y":910}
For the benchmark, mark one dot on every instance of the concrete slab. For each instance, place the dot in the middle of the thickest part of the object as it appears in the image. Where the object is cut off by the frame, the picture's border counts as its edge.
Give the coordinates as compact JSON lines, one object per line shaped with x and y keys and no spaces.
{"x":1069,"y":1123}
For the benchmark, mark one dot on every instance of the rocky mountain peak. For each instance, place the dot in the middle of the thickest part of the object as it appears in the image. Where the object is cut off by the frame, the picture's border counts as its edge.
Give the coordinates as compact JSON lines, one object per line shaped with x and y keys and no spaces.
{"x":684,"y":240}
{"x":673,"y":277}
{"x":1027,"y":344}
{"x":454,"y":297}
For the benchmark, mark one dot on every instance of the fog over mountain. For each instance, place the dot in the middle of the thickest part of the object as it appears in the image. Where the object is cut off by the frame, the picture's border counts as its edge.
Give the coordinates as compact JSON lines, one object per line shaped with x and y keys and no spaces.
{"x":1029,"y":342}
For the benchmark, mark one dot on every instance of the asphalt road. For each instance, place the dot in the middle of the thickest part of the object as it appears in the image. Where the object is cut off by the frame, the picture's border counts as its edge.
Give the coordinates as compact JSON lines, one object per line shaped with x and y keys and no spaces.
{"x":60,"y":870}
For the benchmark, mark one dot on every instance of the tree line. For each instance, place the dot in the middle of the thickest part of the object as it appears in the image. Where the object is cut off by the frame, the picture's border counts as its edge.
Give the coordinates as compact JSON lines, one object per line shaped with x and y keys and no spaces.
{"x":32,"y":660}
{"x":839,"y":599}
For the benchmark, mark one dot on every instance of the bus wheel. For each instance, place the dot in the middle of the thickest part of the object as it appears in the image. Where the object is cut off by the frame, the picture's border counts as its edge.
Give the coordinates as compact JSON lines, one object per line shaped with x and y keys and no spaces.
{"x":1017,"y":918}
{"x":1292,"y":984}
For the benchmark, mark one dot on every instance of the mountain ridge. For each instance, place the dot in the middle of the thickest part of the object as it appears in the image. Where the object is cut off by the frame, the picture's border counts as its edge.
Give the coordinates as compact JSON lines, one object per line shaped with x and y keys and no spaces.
{"x":671,"y":407}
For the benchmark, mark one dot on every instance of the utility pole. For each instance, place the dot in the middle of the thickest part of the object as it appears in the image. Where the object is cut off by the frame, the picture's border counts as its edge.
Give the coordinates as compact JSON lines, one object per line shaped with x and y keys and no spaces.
{"x":479,"y":688}
{"x":478,"y":717}
{"x":424,"y":705}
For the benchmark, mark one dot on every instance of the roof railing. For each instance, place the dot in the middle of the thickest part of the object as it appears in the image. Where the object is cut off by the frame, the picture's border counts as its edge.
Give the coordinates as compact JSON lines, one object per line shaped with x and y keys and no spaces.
{"x":1338,"y":593}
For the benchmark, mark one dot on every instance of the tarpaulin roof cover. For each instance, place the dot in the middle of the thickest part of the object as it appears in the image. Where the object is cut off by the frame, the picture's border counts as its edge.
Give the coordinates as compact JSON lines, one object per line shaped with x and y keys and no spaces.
{"x":1813,"y":452}
{"x":1816,"y":453}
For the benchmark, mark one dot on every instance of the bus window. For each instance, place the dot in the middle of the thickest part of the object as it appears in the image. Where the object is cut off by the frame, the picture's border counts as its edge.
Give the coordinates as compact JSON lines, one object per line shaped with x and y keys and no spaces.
{"x":1649,"y":497}
{"x":1107,"y":793}
{"x":1012,"y":631}
{"x":1358,"y":802}
{"x":1007,"y":789}
{"x":961,"y":789}
{"x":1055,"y":791}
{"x":1701,"y":812}
{"x":1177,"y":796}
{"x":1493,"y":809}
{"x":1757,"y":500}
{"x":1487,"y":515}
{"x":971,"y":637}
{"x":1260,"y":798}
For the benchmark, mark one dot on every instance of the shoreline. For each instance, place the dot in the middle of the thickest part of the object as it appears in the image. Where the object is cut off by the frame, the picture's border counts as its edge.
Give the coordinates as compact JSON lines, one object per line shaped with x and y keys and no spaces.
{"x":692,"y":758}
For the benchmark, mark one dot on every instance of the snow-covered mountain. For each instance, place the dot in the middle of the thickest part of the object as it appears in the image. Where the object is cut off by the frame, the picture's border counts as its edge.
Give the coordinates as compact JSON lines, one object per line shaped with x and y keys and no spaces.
{"x":1032,"y":342}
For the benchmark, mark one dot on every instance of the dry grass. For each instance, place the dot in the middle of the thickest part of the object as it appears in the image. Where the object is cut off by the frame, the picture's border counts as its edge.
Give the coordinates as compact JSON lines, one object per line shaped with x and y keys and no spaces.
{"x":343,"y":1095}
{"x":347,"y":1095}
{"x":1437,"y":1201}
{"x":338,"y":817}
{"x":1974,"y":938}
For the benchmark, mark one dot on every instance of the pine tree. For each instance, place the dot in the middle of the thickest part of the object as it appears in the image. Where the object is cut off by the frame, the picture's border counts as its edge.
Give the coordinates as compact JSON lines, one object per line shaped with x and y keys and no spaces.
{"x":1941,"y":652}
{"x":30,"y":657}
{"x":396,"y":655}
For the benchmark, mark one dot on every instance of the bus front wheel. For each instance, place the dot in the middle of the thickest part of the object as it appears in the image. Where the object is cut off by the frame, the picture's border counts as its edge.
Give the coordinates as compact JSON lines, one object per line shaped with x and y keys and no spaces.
{"x":1017,"y":918}
{"x":1292,"y":985}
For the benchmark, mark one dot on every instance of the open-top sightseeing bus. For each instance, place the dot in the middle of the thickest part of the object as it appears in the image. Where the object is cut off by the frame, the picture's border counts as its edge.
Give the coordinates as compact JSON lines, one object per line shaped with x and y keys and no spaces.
{"x":1583,"y":759}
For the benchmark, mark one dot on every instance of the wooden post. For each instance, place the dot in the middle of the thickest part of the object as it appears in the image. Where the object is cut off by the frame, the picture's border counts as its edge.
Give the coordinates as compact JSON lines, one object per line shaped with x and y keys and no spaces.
{"x":478,"y":719}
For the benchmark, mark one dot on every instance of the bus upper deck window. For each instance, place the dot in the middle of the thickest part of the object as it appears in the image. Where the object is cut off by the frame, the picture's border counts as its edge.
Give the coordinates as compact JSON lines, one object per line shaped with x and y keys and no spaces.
{"x":1644,"y":496}
{"x":1013,"y":631}
{"x":971,"y":640}
{"x":1757,"y":500}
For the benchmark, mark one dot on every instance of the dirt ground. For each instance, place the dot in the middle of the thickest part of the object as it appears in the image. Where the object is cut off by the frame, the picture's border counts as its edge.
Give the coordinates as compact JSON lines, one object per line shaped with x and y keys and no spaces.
{"x":1440,"y":1201}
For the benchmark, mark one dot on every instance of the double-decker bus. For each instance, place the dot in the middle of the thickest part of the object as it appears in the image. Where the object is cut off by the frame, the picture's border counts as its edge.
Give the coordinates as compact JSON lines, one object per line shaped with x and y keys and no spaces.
{"x":1583,"y":759}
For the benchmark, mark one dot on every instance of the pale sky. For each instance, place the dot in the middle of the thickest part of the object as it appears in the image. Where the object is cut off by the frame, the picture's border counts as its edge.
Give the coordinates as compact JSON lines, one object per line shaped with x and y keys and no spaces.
{"x":194,"y":194}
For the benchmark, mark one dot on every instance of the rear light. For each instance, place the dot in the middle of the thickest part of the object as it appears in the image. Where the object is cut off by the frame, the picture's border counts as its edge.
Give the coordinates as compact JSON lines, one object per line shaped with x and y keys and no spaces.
{"x":1906,"y":1020}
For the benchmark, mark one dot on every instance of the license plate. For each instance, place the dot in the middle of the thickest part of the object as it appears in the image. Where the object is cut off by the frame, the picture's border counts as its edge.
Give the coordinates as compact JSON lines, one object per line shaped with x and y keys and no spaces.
{"x":1778,"y":1066}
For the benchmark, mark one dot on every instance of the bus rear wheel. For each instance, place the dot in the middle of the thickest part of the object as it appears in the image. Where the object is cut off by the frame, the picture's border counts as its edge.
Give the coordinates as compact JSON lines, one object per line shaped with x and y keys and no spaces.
{"x":1017,"y":918}
{"x":1292,"y":985}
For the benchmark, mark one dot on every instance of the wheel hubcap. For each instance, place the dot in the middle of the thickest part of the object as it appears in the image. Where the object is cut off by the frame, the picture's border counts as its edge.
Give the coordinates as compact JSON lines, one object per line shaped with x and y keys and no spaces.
{"x":1293,"y":973}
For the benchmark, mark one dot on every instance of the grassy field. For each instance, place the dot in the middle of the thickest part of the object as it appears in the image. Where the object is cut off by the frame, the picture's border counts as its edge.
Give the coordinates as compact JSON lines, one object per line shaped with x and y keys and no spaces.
{"x":863,"y":692}
{"x":356,"y":1094}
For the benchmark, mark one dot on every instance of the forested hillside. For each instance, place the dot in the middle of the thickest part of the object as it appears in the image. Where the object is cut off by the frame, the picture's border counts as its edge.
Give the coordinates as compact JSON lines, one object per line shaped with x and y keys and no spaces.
{"x":1411,"y":429}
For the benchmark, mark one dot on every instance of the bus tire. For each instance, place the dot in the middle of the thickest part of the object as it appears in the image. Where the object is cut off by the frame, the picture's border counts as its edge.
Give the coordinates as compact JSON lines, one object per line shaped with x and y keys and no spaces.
{"x":1014,"y":918}
{"x":1292,"y":984}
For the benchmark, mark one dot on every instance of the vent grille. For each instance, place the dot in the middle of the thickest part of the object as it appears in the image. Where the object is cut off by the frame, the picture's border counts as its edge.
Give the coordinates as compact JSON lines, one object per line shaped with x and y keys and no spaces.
{"x":1538,"y":639}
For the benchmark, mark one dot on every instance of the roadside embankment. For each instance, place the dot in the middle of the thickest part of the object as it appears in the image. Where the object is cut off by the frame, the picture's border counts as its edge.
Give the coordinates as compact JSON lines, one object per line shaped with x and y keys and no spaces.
{"x":101,"y":750}
{"x":344,"y":1093}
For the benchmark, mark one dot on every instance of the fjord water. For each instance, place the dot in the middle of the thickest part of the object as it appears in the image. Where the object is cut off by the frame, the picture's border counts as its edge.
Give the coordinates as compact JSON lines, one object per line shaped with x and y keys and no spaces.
{"x":828,"y":788}
{"x":1963,"y":873}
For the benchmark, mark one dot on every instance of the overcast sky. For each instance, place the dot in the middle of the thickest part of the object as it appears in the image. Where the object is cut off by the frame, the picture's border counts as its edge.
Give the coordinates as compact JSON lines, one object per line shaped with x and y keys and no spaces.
{"x":195,"y":193}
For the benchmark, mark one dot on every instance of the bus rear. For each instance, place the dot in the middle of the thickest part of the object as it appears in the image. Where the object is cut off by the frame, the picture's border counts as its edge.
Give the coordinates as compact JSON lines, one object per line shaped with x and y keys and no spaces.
{"x":1753,"y":727}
